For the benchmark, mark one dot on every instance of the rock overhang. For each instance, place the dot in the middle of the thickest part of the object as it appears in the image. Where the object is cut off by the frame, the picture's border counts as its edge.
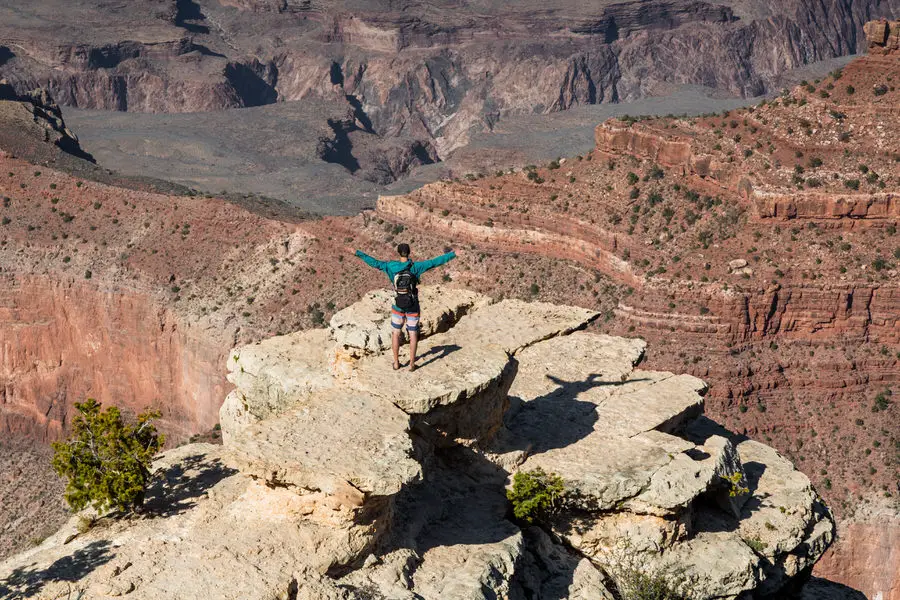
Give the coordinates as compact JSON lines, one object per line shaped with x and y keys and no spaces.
{"x":336,"y":463}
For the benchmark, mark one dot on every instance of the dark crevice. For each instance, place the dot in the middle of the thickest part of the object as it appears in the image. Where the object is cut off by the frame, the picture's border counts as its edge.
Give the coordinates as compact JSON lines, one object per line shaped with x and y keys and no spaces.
{"x":336,"y":74}
{"x":252,"y":88}
{"x":360,"y":114}
{"x":109,"y":57}
{"x":420,"y":151}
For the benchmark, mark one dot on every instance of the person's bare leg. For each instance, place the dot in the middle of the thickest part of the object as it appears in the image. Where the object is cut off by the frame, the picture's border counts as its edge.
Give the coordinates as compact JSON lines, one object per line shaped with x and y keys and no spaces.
{"x":413,"y":340}
{"x":395,"y":346}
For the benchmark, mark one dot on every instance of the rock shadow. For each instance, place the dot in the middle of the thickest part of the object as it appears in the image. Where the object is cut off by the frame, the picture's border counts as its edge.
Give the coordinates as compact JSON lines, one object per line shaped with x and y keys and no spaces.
{"x":26,"y":582}
{"x":460,"y":505}
{"x":178,"y":487}
{"x":461,"y":500}
{"x":546,"y":569}
{"x":818,"y":587}
{"x":205,"y":51}
{"x":339,"y":150}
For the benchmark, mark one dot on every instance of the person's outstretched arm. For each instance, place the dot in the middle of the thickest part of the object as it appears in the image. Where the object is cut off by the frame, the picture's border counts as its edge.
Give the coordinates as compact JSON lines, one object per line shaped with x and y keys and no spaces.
{"x":372,"y":262}
{"x":421,"y":267}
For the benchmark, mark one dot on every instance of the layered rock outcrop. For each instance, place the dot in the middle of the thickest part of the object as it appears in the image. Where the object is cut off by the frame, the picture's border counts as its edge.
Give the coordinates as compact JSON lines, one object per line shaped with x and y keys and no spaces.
{"x":31,"y":117}
{"x":883,"y":36}
{"x":375,"y":482}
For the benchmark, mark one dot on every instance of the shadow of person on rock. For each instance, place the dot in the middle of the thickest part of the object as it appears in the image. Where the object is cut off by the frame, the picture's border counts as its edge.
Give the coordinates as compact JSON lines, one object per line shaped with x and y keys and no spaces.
{"x":556,"y":419}
{"x":27,"y":582}
{"x":437,"y":353}
{"x":177,"y":488}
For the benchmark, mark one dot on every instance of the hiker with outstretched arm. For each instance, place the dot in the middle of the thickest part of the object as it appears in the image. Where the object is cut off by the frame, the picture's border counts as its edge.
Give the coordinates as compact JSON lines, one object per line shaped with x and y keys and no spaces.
{"x":404,"y":275}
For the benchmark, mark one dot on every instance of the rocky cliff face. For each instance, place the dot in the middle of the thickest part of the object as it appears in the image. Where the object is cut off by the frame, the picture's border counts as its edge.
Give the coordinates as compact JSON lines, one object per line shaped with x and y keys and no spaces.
{"x":371,"y":482}
{"x":91,"y":305}
{"x":64,"y":341}
{"x":33,"y":116}
{"x":433,"y":72}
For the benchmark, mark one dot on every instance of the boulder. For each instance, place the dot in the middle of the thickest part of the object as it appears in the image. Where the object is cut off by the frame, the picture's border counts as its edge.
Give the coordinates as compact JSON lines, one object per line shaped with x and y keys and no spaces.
{"x":651,"y":400}
{"x":786,"y":521}
{"x":876,"y":32}
{"x":683,"y":479}
{"x":207,"y":532}
{"x":515,"y":324}
{"x":717,"y":562}
{"x":639,"y":465}
{"x":459,"y":390}
{"x":271,"y":375}
{"x":348,"y":446}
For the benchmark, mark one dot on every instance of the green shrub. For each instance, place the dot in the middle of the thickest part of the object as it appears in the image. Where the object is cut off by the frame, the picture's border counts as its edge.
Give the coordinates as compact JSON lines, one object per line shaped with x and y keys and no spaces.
{"x":534,"y":494}
{"x":758,"y":545}
{"x":106,"y":460}
{"x":735,"y":483}
{"x":882,"y":401}
{"x":635,"y":584}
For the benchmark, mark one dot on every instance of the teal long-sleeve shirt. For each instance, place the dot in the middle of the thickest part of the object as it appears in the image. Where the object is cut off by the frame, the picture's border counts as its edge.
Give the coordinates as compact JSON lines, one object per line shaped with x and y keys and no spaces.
{"x":392,"y":267}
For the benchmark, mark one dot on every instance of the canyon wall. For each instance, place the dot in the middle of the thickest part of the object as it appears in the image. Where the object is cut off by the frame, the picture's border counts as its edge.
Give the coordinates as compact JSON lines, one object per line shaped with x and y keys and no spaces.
{"x":433,"y":73}
{"x":62,"y":341}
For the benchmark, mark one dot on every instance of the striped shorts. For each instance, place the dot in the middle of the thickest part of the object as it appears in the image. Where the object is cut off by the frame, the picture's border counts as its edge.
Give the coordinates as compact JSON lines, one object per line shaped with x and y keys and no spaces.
{"x":398,"y":316}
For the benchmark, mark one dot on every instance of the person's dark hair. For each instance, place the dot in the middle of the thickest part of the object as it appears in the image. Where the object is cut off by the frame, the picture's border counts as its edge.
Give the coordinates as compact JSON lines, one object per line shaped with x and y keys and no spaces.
{"x":403,"y":250}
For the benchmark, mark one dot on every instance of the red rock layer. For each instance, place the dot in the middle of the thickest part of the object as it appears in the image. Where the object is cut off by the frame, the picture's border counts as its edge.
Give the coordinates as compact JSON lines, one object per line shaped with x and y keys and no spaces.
{"x":867,"y":556}
{"x":62,"y":341}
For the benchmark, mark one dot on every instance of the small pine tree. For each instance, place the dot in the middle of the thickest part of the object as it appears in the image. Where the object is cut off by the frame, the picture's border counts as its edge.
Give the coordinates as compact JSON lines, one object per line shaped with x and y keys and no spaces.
{"x":534,"y":494}
{"x":106,"y":460}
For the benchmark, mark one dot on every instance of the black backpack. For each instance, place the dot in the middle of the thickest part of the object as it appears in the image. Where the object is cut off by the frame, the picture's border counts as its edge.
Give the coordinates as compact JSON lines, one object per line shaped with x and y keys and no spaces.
{"x":405,"y":288}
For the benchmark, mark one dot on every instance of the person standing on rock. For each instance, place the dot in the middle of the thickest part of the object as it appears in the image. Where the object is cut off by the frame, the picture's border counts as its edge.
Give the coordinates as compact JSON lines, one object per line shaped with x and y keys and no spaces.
{"x":404,"y":275}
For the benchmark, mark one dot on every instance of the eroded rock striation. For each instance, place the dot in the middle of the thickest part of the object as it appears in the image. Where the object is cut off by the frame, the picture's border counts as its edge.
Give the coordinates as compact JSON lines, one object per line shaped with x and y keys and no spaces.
{"x":435,"y":72}
{"x":375,"y":483}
